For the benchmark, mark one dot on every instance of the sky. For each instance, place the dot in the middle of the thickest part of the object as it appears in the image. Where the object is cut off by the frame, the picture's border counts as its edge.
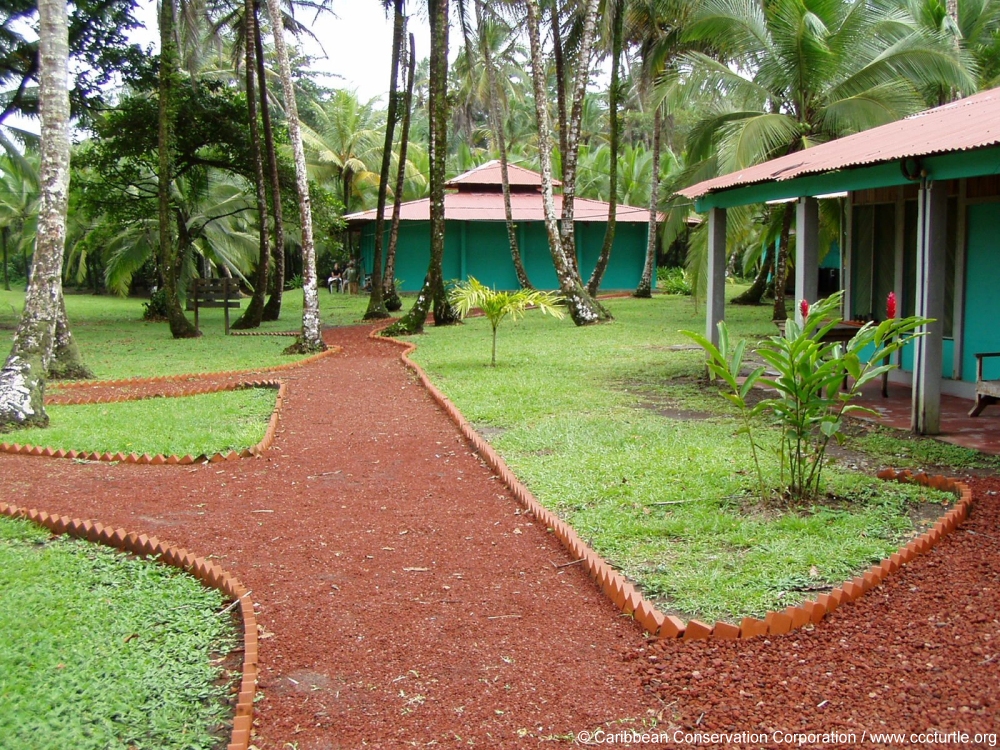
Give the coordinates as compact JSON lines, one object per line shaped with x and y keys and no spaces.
{"x":352,"y":44}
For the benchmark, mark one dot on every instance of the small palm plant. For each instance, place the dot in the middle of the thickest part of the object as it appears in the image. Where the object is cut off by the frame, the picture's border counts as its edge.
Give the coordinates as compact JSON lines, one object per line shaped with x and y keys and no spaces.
{"x":469,"y":295}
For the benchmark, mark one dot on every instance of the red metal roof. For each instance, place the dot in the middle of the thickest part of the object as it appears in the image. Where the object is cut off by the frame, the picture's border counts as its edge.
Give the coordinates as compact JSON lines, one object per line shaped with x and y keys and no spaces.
{"x":970,"y":123}
{"x":489,"y":174}
{"x":470,"y":206}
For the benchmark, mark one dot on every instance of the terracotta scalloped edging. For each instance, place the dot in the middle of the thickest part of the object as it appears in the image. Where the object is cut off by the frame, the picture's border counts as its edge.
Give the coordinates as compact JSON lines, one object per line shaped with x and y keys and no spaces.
{"x":70,"y":384}
{"x":264,"y":333}
{"x":160,"y":458}
{"x":207,"y":572}
{"x":624,"y":595}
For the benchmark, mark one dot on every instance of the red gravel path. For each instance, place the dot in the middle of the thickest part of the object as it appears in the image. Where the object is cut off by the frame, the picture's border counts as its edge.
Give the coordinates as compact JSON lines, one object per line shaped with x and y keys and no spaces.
{"x":406,"y":602}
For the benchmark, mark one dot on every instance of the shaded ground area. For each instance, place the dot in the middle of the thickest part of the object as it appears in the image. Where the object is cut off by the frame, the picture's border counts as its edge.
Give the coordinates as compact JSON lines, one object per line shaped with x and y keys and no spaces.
{"x":405,"y":601}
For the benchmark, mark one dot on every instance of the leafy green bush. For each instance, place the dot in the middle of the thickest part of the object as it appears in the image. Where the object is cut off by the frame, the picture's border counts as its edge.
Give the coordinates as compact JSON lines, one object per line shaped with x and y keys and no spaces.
{"x":156,"y":308}
{"x":810,"y":406}
{"x":673,"y":281}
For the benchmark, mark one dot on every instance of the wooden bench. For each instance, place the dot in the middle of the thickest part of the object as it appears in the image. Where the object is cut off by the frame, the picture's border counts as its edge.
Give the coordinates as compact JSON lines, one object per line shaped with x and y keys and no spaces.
{"x":987,"y":391}
{"x":224,"y":293}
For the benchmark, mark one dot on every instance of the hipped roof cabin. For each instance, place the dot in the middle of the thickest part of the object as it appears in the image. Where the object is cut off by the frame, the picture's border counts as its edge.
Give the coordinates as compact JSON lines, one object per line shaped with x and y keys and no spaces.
{"x":923,"y":221}
{"x":476,"y":242}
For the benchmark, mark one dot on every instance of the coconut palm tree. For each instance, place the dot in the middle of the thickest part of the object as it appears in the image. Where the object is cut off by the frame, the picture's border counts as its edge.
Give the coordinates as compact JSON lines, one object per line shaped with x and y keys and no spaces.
{"x":343,"y":141}
{"x":792,"y":74}
{"x":310,"y":338}
{"x":376,"y":304}
{"x":583,"y":308}
{"x":43,"y":341}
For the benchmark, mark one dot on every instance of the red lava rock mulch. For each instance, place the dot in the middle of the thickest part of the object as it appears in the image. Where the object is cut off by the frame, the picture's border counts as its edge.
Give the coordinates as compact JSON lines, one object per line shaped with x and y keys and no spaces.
{"x":404,"y":600}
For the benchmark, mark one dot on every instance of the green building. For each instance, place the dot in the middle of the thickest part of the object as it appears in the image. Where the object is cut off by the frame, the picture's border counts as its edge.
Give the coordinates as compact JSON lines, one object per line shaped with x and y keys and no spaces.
{"x":923,"y":221}
{"x":476,"y":241}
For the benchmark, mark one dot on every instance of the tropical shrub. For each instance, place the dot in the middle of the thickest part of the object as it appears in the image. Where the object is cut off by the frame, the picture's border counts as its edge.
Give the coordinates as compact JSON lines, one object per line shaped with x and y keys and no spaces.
{"x":809,"y":404}
{"x":673,"y":281}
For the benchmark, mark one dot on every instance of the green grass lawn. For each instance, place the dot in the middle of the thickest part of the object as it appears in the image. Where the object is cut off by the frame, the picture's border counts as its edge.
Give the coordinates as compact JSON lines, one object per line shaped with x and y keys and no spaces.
{"x":598,"y":422}
{"x":116,"y":343}
{"x":122,"y":658}
{"x":205,"y":424}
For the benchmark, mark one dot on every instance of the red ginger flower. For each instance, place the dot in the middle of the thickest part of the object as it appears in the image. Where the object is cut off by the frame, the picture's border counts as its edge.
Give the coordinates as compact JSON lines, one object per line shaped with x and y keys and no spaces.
{"x":804,"y":308}
{"x":890,"y":306}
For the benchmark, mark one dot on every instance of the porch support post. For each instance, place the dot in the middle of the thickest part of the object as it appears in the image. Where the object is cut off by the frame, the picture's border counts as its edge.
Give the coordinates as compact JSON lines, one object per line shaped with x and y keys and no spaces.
{"x":932,"y":217}
{"x":806,"y":253}
{"x":715,"y":297}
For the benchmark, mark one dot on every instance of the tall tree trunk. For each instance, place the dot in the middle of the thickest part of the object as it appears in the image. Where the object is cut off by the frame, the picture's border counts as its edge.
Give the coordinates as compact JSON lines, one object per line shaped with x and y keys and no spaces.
{"x":572,"y":153}
{"x":582,"y":307}
{"x":392,"y":300}
{"x":755,"y":293}
{"x":615,"y":126}
{"x":376,"y":304}
{"x":781,"y":265}
{"x":311,"y":338}
{"x":433,"y":292}
{"x":645,"y":288}
{"x":254,"y":313}
{"x":170,"y":258}
{"x":272,"y":310}
{"x":67,"y":362}
{"x":22,"y":379}
{"x":560,"y":60}
{"x":497,"y":119}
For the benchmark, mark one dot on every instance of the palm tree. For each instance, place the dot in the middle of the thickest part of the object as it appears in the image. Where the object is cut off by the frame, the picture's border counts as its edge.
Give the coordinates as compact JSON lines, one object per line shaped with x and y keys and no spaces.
{"x":472,"y":294}
{"x":583,"y":308}
{"x":497,"y":118}
{"x":310,"y":338}
{"x":343,"y":143}
{"x":800,"y":74}
{"x":616,"y":10}
{"x":376,"y":304}
{"x":252,"y":316}
{"x":43,"y":328}
{"x":180,"y":326}
{"x":433,"y":294}
{"x":392,"y":301}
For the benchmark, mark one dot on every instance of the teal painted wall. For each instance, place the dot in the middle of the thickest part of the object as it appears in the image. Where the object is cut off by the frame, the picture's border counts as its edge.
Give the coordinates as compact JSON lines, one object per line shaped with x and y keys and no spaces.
{"x":982,"y":282}
{"x":481,"y":249}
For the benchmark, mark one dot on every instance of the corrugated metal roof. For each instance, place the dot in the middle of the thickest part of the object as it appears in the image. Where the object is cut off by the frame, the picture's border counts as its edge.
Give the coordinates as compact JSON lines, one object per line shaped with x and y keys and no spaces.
{"x":970,"y":123}
{"x":464,"y":206}
{"x":489,"y":174}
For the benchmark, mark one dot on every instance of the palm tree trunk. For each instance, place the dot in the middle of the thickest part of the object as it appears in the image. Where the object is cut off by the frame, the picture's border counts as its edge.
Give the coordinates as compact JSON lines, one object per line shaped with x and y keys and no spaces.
{"x":310,"y":339}
{"x":497,"y":124}
{"x":582,"y":307}
{"x":67,"y":362}
{"x":572,"y":153}
{"x":433,"y":292}
{"x":645,"y":288}
{"x":22,"y":379}
{"x":254,"y":313}
{"x":272,"y":310}
{"x":594,"y":284}
{"x":392,"y":300}
{"x":560,"y":60}
{"x":781,"y":266}
{"x":170,"y":258}
{"x":376,"y":305}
